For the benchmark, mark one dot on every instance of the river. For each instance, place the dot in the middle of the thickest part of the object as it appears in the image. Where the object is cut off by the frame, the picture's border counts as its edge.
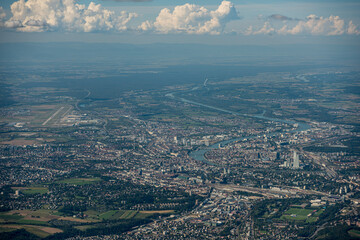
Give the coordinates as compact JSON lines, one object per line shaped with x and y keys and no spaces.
{"x":199,"y":154}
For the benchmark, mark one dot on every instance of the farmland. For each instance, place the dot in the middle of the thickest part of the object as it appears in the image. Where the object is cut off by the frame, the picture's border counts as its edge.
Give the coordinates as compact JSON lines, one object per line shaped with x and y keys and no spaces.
{"x":80,"y":181}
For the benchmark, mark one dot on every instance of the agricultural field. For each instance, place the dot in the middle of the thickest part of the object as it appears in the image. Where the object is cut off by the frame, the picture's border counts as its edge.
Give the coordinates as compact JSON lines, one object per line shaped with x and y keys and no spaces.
{"x":121,"y":215}
{"x":32,"y":190}
{"x":80,"y":181}
{"x":354,"y":233}
{"x":39,"y":222}
{"x":42,"y":217}
{"x":39,"y":231}
{"x":35,"y":222}
{"x":131,"y":214}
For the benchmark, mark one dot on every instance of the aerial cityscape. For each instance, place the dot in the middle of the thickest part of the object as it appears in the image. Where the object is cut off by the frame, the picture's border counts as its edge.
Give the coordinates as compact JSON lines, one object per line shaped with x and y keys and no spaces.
{"x":188,"y":120}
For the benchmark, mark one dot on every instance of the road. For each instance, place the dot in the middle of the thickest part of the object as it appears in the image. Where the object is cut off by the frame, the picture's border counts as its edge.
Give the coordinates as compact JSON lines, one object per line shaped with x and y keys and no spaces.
{"x":318,"y":230}
{"x":77,"y":102}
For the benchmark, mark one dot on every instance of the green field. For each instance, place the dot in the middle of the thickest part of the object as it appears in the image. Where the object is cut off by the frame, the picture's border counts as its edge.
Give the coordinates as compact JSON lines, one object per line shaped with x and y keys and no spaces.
{"x":354,"y":233}
{"x":36,"y":231}
{"x":301,"y":214}
{"x":119,"y":214}
{"x":31,"y":222}
{"x":10,"y":218}
{"x":108,"y":215}
{"x":5,"y":229}
{"x":311,"y":219}
{"x":35,"y":190}
{"x":38,"y":217}
{"x":143,"y":215}
{"x":39,"y":231}
{"x":130,"y":214}
{"x":36,"y":222}
{"x":80,"y":181}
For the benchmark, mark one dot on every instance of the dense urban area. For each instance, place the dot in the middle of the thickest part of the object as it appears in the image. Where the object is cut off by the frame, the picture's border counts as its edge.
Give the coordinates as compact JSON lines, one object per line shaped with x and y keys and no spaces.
{"x":269,"y":156}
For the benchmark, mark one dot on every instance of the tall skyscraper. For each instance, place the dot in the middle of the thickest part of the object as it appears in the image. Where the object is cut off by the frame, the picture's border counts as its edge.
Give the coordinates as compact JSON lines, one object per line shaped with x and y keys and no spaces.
{"x":296,"y":161}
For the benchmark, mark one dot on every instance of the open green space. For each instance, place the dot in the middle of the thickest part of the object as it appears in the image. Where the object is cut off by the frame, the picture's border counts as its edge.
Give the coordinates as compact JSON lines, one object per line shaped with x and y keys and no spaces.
{"x":35,"y":190}
{"x":311,"y":219}
{"x":130,"y":214}
{"x":80,"y":181}
{"x":31,"y":222}
{"x":143,"y":215}
{"x":301,"y":214}
{"x":38,"y":217}
{"x":318,"y":213}
{"x":5,"y":229}
{"x":92,"y":213}
{"x":39,"y":231}
{"x":298,"y":211}
{"x":9,"y":218}
{"x":120,"y":214}
{"x":354,"y":233}
{"x":36,"y":231}
{"x":108,"y":215}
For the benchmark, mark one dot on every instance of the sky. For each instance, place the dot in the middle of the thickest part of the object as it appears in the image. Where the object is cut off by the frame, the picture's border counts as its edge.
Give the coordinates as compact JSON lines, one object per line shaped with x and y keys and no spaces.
{"x":203,"y":21}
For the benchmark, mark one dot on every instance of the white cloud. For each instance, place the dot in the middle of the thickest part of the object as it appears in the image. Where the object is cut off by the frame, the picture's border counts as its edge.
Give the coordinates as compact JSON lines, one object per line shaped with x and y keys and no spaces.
{"x":13,"y":24}
{"x":65,"y":15}
{"x":266,"y":29}
{"x":313,"y":25}
{"x":352,"y":29}
{"x":192,"y":19}
{"x":68,"y":15}
{"x":145,"y":26}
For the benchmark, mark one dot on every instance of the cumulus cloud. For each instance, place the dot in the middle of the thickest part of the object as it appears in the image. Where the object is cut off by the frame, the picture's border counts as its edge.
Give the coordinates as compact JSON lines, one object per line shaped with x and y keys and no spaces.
{"x":314,"y":25}
{"x":13,"y":24}
{"x":266,"y":29}
{"x":352,"y":29}
{"x":66,"y":15}
{"x":192,"y":19}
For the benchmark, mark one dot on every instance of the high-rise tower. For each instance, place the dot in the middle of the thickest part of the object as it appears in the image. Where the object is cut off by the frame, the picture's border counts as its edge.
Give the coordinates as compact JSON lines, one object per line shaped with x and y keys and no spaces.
{"x":296,"y":161}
